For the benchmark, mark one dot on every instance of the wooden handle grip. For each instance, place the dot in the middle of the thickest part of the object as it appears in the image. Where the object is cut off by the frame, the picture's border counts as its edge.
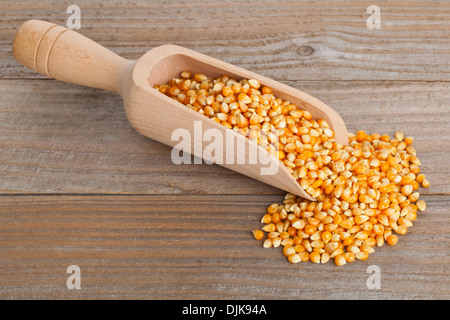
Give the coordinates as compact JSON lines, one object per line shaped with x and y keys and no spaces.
{"x":66,"y":55}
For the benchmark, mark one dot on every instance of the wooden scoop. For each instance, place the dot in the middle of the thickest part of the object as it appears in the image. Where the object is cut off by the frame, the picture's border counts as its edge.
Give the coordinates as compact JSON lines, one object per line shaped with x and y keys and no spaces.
{"x":65,"y":55}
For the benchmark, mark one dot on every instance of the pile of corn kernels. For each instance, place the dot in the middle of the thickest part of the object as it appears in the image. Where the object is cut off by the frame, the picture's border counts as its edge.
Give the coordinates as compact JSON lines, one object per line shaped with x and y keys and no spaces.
{"x":366,"y":191}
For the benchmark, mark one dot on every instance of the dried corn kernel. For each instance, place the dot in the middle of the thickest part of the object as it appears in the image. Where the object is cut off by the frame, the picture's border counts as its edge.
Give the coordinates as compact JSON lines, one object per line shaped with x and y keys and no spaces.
{"x":258,"y":234}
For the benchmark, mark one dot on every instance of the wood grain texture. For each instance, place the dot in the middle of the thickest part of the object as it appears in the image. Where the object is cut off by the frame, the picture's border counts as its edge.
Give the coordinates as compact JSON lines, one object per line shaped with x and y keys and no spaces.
{"x":196,"y":247}
{"x":284,"y":40}
{"x":59,"y":138}
{"x":79,"y":186}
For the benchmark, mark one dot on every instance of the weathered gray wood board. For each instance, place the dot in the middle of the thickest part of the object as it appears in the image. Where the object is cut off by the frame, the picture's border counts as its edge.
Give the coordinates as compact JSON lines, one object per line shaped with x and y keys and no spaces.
{"x":75,"y":139}
{"x":270,"y":37}
{"x":196,"y":247}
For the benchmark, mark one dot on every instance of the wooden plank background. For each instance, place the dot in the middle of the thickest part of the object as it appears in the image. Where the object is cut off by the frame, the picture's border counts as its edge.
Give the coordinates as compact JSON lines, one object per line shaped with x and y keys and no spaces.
{"x":79,"y":186}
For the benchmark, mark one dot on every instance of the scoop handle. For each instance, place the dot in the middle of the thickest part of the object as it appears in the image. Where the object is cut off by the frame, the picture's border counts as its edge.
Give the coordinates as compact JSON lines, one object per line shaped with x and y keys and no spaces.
{"x":66,"y":55}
